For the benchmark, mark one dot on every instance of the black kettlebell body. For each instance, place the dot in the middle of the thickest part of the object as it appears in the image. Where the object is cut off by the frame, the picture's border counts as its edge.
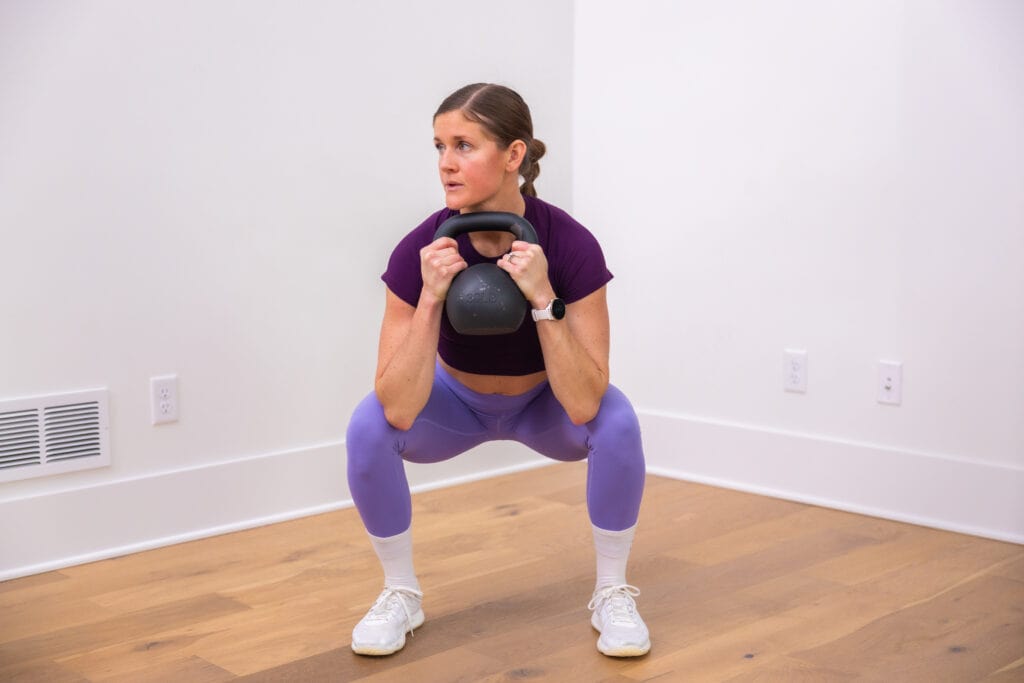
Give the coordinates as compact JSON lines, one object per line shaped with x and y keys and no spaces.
{"x":483,"y":299}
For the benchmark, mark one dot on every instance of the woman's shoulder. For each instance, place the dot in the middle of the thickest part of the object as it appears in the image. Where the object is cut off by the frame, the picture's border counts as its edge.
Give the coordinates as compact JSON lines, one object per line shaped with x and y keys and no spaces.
{"x":423,"y":234}
{"x":546,"y":212}
{"x":558,"y":223}
{"x":576,"y":261}
{"x":432,"y":222}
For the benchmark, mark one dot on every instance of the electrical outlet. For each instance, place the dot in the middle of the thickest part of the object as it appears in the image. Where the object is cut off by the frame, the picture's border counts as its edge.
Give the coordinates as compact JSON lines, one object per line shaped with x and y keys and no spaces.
{"x":890,"y":382}
{"x":163,"y":392}
{"x":794,"y":370}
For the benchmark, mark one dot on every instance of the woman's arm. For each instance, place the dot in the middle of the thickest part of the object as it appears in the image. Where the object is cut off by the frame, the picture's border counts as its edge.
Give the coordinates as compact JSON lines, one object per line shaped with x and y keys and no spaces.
{"x":575,"y":348}
{"x":576,"y":355}
{"x":408,"y":337}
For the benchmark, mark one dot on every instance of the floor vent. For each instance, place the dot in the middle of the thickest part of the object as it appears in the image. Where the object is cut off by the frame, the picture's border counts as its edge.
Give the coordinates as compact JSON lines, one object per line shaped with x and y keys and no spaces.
{"x":44,"y":435}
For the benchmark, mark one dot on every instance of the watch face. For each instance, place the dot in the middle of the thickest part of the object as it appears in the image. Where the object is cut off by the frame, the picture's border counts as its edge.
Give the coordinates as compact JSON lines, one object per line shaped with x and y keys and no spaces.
{"x":558,"y":309}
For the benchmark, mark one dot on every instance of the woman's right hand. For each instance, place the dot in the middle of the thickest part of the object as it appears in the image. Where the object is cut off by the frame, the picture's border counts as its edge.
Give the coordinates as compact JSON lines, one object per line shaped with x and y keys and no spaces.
{"x":440,"y":262}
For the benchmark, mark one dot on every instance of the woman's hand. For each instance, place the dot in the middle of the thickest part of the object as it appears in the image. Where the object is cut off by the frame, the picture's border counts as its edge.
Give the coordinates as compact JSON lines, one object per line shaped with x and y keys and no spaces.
{"x":528,"y":266}
{"x":440,"y":262}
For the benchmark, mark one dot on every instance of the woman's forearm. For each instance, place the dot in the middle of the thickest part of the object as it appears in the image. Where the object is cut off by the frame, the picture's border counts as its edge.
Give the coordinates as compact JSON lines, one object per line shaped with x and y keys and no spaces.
{"x":577,"y":381}
{"x":576,"y":355}
{"x":406,"y":367}
{"x":408,"y":338}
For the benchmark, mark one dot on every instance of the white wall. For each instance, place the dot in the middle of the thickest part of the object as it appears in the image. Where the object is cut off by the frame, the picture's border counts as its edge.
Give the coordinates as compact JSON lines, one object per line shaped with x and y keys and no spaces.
{"x":845,"y":178}
{"x":211,"y":189}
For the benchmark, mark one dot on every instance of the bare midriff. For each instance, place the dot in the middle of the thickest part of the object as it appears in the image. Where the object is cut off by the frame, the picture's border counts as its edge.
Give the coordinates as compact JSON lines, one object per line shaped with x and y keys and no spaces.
{"x":497,"y":384}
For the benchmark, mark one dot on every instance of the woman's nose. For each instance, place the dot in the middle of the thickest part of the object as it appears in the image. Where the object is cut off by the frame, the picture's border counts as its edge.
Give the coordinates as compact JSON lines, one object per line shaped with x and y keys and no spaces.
{"x":446,"y":161}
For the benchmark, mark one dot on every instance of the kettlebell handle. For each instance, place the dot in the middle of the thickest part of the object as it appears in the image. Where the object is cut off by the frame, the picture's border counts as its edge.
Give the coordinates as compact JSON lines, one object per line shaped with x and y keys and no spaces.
{"x":481,"y":221}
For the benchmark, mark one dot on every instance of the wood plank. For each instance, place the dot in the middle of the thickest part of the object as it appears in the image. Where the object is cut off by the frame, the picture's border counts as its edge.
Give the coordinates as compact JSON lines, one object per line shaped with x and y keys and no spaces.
{"x":785,"y":557}
{"x":36,"y":614}
{"x":937,"y":639}
{"x":1012,"y":568}
{"x":412,"y":664}
{"x":911,"y":547}
{"x":922,"y":580}
{"x":232,"y":565}
{"x":190,"y":669}
{"x":24,"y":584}
{"x":578,"y":660}
{"x":1013,"y":672}
{"x":63,"y":642}
{"x":39,"y":671}
{"x":459,"y":664}
{"x":788,"y":670}
{"x":144,"y":656}
{"x":275,"y":634}
{"x":755,"y":536}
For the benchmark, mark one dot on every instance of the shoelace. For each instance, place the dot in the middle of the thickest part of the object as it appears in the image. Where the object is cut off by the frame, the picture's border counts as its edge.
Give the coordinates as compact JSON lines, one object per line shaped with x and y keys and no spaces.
{"x":620,"y":601}
{"x":382,"y":608}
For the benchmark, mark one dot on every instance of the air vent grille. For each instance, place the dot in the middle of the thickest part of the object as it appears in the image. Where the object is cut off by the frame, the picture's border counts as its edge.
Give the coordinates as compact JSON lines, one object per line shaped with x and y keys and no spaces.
{"x":20,"y":442}
{"x":45,"y":435}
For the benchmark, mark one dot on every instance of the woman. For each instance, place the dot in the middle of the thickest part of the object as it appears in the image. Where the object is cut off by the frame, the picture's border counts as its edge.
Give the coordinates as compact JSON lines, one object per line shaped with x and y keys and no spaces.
{"x":439,"y":393}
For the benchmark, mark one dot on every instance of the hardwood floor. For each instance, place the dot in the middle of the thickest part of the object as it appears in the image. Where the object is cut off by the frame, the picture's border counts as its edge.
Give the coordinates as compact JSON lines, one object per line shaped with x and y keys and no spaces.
{"x":736,"y":587}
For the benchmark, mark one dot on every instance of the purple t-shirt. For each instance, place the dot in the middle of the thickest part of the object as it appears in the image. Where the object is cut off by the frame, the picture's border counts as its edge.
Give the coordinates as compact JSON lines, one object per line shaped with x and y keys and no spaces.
{"x":576,"y":268}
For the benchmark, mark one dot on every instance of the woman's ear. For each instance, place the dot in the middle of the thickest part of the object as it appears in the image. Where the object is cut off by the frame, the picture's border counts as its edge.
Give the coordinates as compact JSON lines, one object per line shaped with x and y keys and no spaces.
{"x":516,"y":155}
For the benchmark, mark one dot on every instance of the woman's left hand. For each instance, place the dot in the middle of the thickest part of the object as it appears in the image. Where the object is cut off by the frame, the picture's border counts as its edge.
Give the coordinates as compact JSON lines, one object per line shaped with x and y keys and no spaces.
{"x":528,"y":266}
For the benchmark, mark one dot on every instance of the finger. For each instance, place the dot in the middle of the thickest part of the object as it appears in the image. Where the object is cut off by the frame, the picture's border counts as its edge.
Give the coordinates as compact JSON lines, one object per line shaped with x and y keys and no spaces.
{"x":512,"y":261}
{"x":444,"y":243}
{"x":448,"y":253}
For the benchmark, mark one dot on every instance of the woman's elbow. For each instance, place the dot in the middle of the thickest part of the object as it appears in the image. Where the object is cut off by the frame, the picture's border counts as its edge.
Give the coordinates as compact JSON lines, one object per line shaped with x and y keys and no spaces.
{"x":580,"y":419}
{"x":398,"y":416}
{"x":588,"y":406}
{"x":584,"y":413}
{"x":398,"y":420}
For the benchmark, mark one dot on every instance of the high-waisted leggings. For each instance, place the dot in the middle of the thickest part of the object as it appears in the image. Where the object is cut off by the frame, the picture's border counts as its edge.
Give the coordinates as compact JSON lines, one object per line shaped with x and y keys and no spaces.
{"x":456,"y":419}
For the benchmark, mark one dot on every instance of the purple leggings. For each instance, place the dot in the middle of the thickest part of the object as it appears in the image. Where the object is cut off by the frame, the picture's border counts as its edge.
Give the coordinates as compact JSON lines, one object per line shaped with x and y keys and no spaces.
{"x":456,"y":419}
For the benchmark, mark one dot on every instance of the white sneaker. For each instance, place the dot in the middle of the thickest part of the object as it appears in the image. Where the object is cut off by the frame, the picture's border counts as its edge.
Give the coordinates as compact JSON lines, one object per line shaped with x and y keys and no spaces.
{"x":623,"y":632}
{"x":382,"y":630}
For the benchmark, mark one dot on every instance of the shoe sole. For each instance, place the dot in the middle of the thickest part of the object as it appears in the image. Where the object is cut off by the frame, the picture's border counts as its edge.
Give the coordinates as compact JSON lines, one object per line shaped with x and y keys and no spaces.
{"x":636,"y":651}
{"x":372,"y":651}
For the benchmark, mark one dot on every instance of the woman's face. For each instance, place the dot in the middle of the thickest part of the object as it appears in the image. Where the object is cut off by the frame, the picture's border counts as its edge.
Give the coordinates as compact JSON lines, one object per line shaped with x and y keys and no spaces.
{"x":475,"y":172}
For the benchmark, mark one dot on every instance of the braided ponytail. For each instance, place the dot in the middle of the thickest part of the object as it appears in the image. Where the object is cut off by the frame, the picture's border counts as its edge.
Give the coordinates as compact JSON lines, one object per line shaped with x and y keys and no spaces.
{"x":505,"y":116}
{"x":530,"y":168}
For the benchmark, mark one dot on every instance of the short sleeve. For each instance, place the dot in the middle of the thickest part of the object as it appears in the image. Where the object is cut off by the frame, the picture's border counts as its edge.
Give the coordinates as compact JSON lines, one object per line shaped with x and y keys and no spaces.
{"x":575,"y":258}
{"x":403,"y":275}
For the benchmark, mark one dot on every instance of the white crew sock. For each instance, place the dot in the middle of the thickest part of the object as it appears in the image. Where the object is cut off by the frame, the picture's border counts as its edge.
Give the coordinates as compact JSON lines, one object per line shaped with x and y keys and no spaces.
{"x":612,"y":551}
{"x":395,"y":555}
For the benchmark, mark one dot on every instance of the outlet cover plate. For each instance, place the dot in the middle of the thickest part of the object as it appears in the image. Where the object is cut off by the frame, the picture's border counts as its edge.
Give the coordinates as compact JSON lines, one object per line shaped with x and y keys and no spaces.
{"x":890,"y":382}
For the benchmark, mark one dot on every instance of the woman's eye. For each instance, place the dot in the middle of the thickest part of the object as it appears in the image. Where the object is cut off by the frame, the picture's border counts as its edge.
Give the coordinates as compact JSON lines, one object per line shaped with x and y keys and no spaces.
{"x":438,"y":146}
{"x":463,"y":146}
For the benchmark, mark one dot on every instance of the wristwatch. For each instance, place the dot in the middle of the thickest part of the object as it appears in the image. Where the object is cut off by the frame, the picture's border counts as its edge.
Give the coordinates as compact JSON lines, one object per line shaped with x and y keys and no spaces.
{"x":554,"y":311}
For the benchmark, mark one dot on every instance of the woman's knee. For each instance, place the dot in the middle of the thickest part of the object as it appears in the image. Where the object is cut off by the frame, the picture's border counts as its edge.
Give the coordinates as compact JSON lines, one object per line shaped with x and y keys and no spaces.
{"x":616,"y":467}
{"x":369,"y":438}
{"x":617,"y":420}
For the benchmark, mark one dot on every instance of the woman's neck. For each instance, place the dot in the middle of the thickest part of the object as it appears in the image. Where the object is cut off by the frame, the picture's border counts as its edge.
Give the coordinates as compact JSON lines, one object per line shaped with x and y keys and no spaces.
{"x":492,"y":244}
{"x":495,"y":243}
{"x":507,"y":201}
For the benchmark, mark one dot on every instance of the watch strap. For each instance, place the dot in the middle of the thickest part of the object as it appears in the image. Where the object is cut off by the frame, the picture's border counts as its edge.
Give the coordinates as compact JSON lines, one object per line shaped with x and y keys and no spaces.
{"x":550,"y":312}
{"x":543,"y":314}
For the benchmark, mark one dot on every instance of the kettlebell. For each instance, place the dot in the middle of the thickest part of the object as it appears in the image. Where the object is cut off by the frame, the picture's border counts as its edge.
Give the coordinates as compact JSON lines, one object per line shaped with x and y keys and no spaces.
{"x":484,"y":299}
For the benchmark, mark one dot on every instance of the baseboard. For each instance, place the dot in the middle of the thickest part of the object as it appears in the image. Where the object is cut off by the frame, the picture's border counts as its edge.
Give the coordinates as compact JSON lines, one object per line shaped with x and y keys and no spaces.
{"x":74,"y":526}
{"x":929,"y":489}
